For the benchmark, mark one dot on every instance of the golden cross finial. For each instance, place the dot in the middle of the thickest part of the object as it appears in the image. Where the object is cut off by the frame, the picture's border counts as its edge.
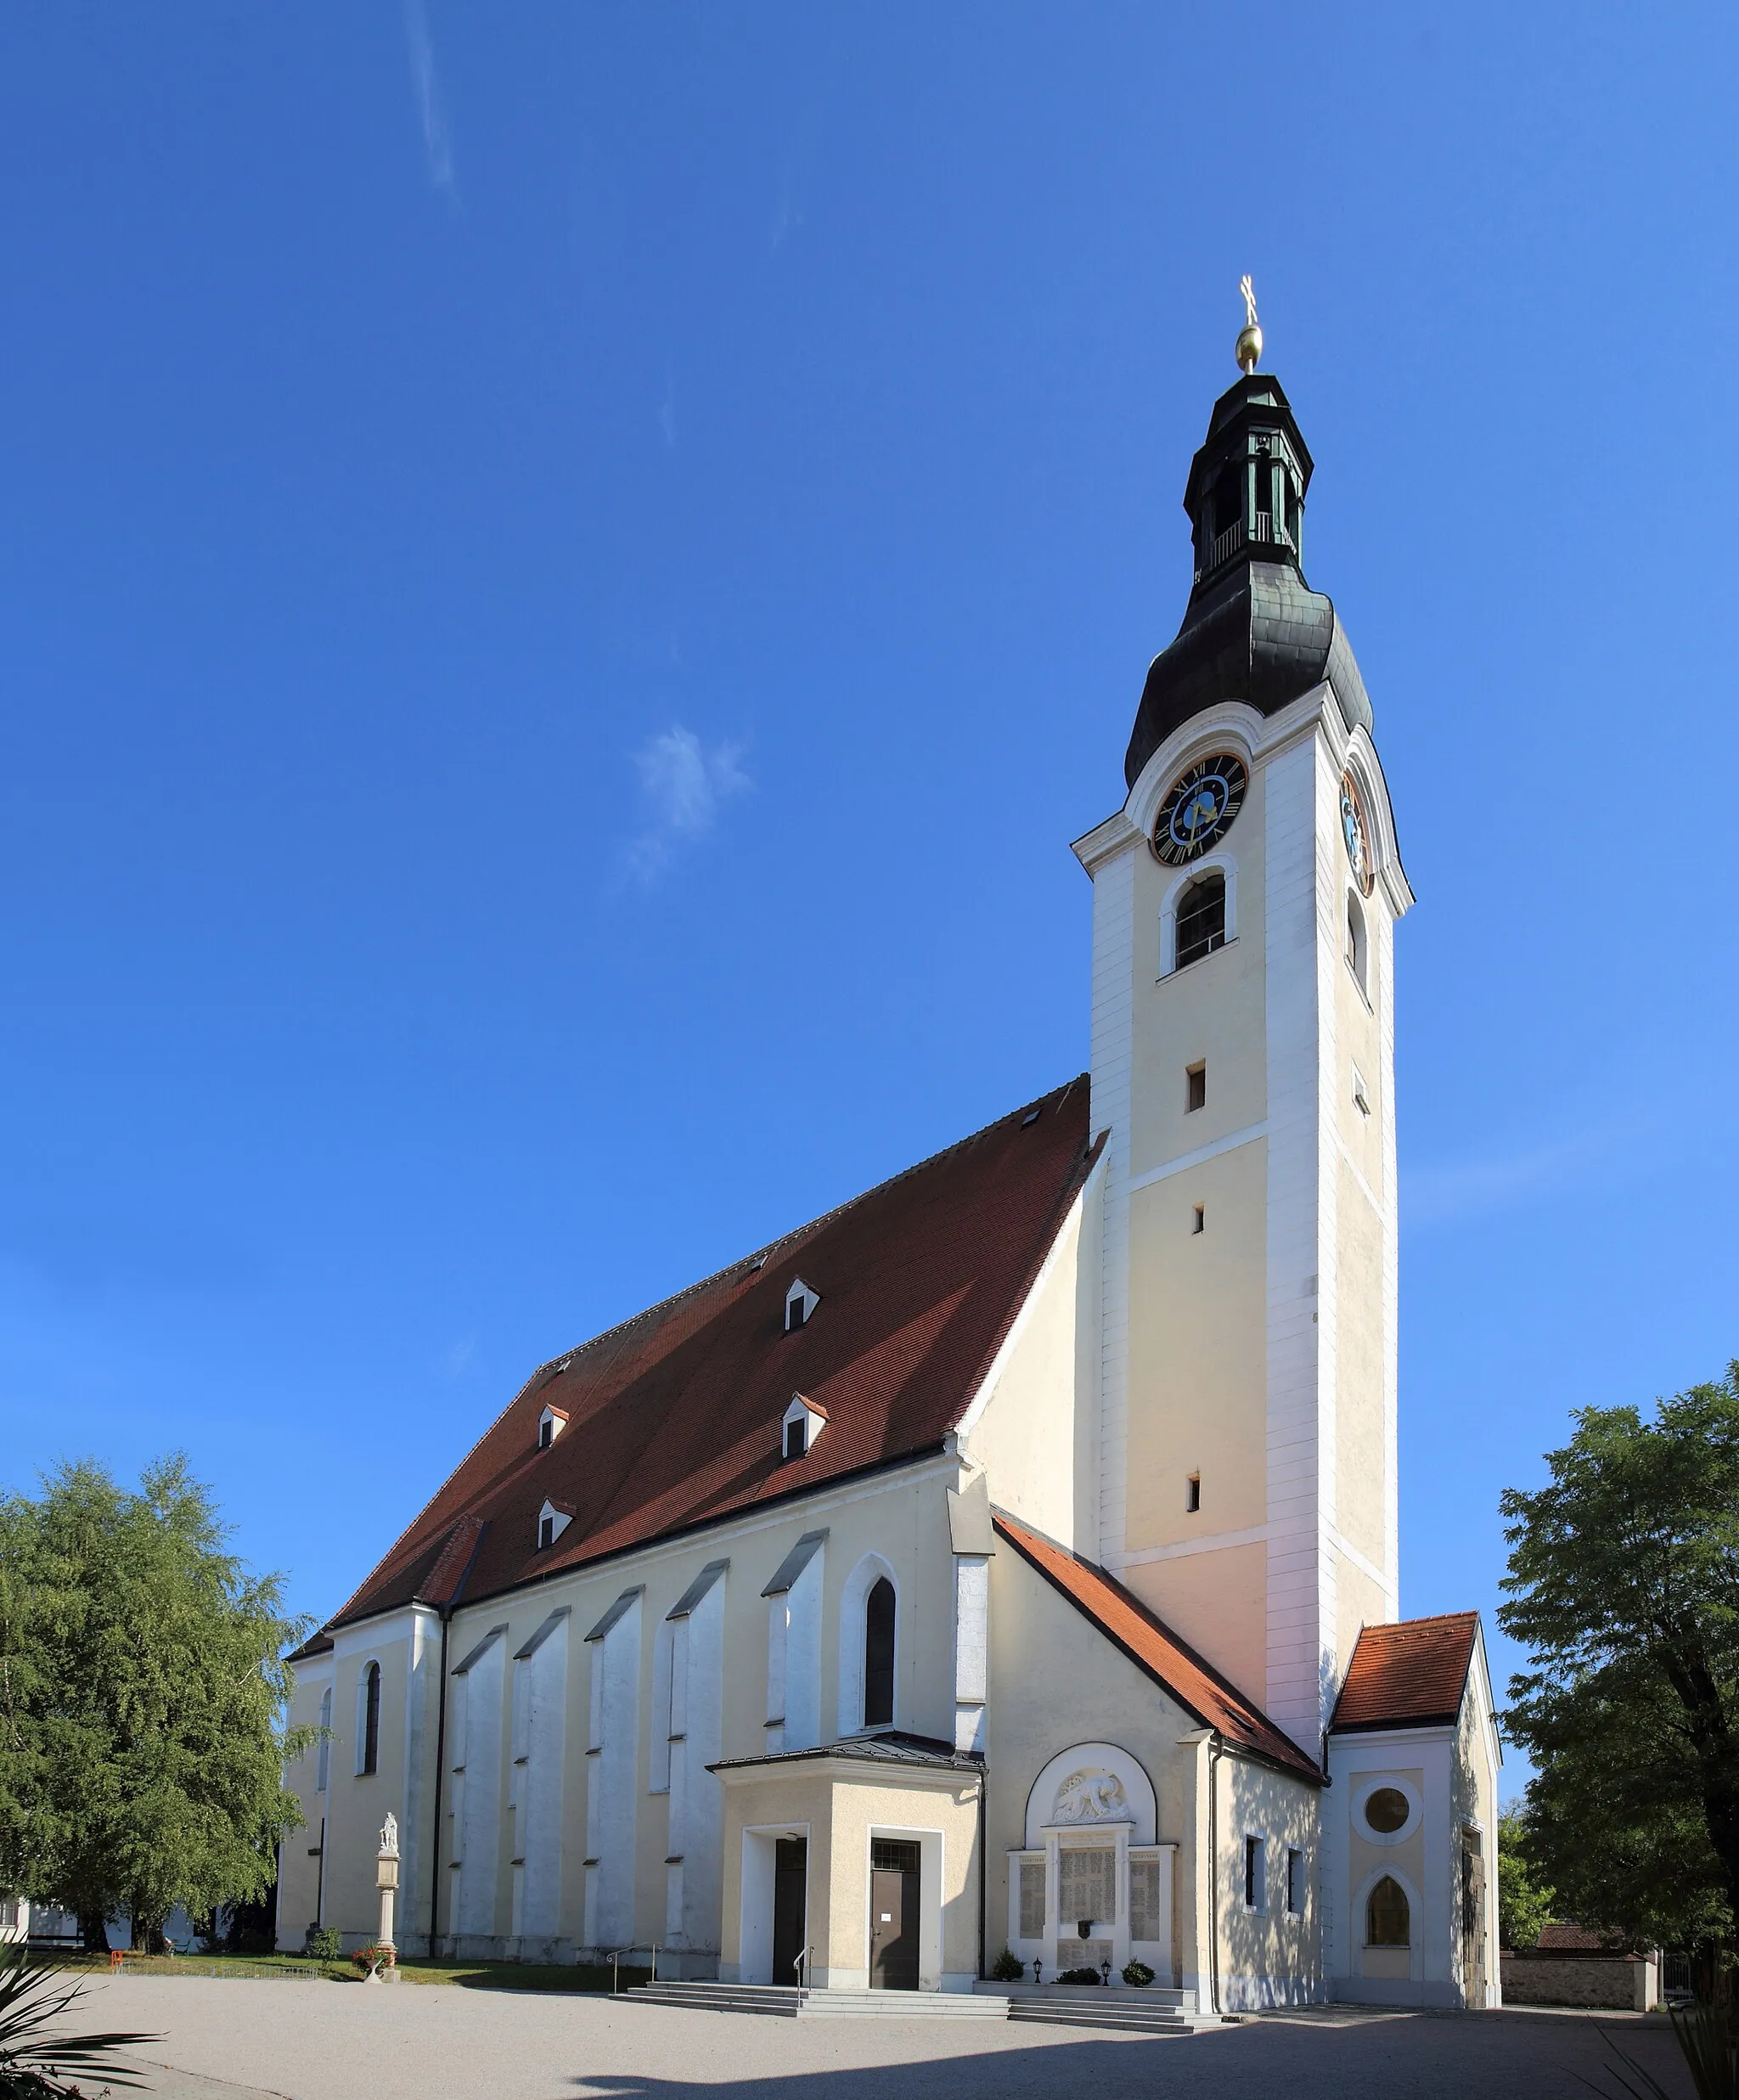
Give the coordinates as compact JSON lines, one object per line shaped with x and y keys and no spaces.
{"x":1249,"y":352}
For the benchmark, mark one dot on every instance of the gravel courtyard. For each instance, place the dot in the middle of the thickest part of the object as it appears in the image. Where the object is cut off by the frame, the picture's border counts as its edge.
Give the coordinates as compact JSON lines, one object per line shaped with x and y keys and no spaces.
{"x":235,"y":2041}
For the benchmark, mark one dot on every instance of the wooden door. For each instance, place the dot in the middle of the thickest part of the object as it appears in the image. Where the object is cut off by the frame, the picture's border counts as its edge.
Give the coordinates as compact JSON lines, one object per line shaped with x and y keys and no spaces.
{"x":893,"y":1915}
{"x":790,"y":1909}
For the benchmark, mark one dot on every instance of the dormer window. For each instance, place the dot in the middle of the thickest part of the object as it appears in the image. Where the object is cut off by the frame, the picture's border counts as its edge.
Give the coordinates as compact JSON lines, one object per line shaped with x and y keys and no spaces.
{"x":550,"y":1424}
{"x":800,"y":1300}
{"x":553,"y":1519}
{"x":804,"y":1421}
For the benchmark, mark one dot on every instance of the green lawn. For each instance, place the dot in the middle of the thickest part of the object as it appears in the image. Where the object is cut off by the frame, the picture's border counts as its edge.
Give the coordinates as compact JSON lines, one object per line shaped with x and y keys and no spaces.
{"x":470,"y":1975}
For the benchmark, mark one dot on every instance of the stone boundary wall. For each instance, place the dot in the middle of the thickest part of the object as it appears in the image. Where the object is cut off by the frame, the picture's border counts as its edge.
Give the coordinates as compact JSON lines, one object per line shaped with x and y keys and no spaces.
{"x":1623,"y":1986}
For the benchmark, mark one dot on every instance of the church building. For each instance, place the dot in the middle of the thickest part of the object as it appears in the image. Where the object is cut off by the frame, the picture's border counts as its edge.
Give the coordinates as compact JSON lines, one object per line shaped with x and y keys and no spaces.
{"x":1006,"y":1561}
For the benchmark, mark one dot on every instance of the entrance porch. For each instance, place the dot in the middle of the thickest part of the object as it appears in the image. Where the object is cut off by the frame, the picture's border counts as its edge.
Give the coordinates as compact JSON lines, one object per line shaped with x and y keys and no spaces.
{"x":854,"y":1867}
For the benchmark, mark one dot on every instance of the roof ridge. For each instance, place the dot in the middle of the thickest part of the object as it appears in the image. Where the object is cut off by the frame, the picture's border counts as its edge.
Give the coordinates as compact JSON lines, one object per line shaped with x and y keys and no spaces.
{"x":761,"y":1255}
{"x":621,"y":1331}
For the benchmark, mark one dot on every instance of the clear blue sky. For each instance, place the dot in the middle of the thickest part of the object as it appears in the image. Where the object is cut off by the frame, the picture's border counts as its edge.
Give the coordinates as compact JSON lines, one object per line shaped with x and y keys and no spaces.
{"x":567,"y":574}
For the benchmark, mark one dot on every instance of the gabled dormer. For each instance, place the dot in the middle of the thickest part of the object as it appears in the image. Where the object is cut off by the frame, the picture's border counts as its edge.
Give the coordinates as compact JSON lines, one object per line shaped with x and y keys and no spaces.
{"x":553,"y":1519}
{"x":804,"y":1421}
{"x":550,"y":1424}
{"x":800,"y":1302}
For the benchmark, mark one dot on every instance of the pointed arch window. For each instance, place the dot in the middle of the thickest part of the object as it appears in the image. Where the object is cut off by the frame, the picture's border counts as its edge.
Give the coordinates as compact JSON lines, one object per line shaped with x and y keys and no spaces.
{"x":1388,"y":1921}
{"x":878,"y":1655}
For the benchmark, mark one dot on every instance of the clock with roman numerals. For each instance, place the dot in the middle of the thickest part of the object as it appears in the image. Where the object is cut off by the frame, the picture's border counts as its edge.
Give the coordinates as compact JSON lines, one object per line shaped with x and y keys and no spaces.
{"x":1199,"y":808}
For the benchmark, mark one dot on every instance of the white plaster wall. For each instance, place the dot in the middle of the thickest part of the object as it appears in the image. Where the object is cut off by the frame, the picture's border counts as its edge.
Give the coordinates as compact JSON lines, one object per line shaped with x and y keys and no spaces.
{"x":477,"y":1774}
{"x":538,"y":1781}
{"x":611,"y":1792}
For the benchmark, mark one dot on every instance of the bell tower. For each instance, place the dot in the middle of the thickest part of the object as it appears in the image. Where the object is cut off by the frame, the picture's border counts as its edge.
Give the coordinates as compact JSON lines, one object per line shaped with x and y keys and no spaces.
{"x":1245,"y":898}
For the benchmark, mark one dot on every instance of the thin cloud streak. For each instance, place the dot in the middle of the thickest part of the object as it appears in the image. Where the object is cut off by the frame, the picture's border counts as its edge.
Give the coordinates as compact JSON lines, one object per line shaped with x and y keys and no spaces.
{"x":426,"y":86}
{"x":683,"y":785}
{"x":1445,"y":1195}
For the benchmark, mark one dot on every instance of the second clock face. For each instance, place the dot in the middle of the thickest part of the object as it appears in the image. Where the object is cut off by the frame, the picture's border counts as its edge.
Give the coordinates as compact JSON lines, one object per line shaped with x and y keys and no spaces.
{"x":1356,"y":834}
{"x":1199,"y":808}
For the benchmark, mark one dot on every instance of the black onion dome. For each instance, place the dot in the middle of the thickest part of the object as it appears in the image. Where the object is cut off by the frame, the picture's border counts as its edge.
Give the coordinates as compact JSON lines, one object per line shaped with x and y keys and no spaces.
{"x":1253,"y":629}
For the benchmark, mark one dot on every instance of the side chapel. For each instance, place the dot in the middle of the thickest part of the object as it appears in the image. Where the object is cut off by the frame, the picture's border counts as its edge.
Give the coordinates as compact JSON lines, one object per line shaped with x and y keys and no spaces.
{"x":1009,"y":1558}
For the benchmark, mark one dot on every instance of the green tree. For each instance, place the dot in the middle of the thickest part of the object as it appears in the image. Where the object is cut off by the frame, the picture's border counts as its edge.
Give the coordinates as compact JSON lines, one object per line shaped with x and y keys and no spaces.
{"x":142,"y":1698}
{"x":1623,"y":1583}
{"x":1524,"y":1905}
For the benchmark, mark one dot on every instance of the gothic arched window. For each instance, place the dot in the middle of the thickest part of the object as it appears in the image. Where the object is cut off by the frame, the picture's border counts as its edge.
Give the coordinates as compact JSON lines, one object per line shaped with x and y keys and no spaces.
{"x":1387,"y":1920}
{"x":1202,"y":918}
{"x":323,"y":1762}
{"x":370,"y":1759}
{"x":878,"y":1655}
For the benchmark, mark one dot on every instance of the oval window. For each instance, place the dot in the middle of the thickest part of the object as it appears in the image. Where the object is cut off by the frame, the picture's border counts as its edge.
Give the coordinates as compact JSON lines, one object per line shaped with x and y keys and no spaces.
{"x":1386,"y":1808}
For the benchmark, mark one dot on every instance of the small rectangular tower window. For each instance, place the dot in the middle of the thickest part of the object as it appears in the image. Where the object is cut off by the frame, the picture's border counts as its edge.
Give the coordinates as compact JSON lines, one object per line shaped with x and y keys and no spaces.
{"x":1361,"y":1097}
{"x":1255,"y":1892}
{"x":1196,"y":1087}
{"x":1295,"y":1880}
{"x":1192,"y":1493}
{"x":1200,"y":1223}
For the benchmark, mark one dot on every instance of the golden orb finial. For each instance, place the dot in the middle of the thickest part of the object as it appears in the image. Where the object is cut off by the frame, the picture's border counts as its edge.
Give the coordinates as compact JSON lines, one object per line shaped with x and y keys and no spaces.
{"x":1249,"y":352}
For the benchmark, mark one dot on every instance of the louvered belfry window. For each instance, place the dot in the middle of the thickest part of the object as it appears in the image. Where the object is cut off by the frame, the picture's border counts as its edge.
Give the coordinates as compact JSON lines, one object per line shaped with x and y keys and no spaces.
{"x":1087,"y":1885}
{"x":1033,"y":1899}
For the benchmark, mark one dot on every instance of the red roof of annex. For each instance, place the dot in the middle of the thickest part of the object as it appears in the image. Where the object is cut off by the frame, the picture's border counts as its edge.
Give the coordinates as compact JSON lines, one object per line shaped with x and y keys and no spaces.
{"x":1413,"y":1672}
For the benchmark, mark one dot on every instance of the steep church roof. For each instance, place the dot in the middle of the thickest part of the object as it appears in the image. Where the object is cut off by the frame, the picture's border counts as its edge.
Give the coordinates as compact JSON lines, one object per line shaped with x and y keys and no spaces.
{"x":1408,"y":1675}
{"x":673,"y":1418}
{"x":1197,"y":1687}
{"x":1253,"y":629}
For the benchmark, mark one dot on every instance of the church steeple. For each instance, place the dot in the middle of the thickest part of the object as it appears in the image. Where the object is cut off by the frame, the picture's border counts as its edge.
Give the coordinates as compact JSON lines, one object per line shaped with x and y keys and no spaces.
{"x":1253,"y":629}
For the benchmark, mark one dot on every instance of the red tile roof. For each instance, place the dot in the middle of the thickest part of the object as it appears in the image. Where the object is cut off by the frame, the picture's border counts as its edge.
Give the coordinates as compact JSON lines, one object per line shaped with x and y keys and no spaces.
{"x":1558,"y":1938}
{"x":1409,"y":1673}
{"x":674,"y":1417}
{"x":1152,"y":1646}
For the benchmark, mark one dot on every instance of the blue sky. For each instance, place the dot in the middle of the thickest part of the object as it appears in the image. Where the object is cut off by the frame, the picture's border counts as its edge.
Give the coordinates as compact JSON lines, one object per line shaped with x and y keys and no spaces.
{"x":567,"y":574}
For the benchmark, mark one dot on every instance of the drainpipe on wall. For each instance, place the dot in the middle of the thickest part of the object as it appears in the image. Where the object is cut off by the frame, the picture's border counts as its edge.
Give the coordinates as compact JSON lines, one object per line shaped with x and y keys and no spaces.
{"x":1214,"y":1753}
{"x":983,"y":1865}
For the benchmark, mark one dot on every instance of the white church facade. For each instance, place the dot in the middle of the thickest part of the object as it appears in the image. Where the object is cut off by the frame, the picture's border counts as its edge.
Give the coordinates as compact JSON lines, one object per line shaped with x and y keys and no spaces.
{"x":1007,"y":1560}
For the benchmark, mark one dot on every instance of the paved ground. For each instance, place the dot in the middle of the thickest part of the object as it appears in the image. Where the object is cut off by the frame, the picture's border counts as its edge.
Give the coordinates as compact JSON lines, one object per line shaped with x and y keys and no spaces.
{"x":237,"y":2041}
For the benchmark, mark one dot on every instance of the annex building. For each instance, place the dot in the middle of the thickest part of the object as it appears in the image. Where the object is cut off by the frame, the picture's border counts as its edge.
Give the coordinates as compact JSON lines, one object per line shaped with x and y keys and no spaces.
{"x":1008,"y":1559}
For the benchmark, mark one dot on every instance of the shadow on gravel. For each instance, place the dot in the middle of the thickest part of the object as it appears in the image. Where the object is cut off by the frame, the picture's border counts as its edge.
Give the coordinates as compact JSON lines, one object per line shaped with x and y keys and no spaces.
{"x":1404,"y":2056}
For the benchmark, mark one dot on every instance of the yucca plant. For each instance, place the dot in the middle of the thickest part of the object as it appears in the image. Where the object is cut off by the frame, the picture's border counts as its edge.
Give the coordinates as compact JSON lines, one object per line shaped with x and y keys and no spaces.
{"x":1710,"y":2049}
{"x":38,"y":2062}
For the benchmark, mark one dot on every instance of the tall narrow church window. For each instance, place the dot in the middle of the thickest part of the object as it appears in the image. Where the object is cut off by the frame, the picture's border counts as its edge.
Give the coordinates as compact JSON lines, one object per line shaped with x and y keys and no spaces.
{"x":371,"y":1719}
{"x":1387,"y":1921}
{"x":878,"y":1655}
{"x":1202,"y":918}
{"x":1195,"y":1085}
{"x":1200,"y":1219}
{"x":1192,"y":1493}
{"x":323,"y":1763}
{"x":1295,"y":1880}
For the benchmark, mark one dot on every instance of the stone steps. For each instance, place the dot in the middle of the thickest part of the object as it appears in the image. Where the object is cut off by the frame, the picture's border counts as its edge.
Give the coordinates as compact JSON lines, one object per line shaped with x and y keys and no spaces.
{"x":904,"y":2005}
{"x":778,"y":2001}
{"x":1158,"y":2020}
{"x":782,"y":2001}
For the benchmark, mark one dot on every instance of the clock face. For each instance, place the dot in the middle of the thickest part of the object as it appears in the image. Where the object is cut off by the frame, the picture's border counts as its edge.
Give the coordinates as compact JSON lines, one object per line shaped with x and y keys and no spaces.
{"x":1199,"y":808}
{"x":1356,"y":834}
